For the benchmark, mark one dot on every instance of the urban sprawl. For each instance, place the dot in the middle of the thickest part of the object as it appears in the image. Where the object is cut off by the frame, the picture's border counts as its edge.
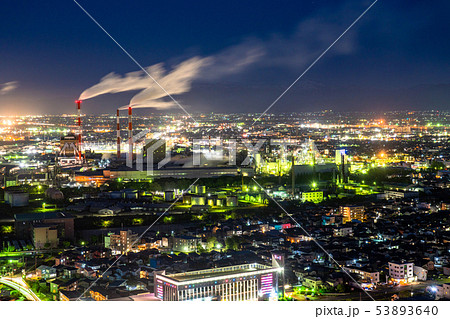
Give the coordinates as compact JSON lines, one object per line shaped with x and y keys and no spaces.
{"x":310,"y":206}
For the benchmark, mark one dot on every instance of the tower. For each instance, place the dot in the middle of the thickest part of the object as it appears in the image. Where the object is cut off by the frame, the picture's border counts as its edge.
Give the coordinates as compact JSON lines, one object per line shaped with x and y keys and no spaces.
{"x":130,"y":138}
{"x":78,"y":102}
{"x":118,"y":133}
{"x":293,"y":174}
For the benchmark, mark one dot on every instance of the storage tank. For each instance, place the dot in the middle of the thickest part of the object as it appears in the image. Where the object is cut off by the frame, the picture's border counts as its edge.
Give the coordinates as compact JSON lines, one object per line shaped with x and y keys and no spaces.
{"x":220,"y":202}
{"x":169,"y":196}
{"x":201,"y":189}
{"x":131,"y":194}
{"x":17,"y":198}
{"x":116,"y":195}
{"x":187,"y":199}
{"x":232,"y":201}
{"x":198,"y":200}
{"x":54,"y":193}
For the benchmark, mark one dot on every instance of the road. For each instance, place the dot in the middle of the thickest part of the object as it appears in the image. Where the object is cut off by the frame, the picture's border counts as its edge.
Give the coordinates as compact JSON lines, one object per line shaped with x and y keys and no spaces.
{"x":20,"y":285}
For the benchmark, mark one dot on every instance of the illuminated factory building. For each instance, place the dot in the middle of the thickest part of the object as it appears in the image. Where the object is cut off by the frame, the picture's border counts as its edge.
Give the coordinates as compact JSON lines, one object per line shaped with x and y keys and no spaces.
{"x":247,"y":282}
{"x":70,"y":150}
{"x":315,"y":196}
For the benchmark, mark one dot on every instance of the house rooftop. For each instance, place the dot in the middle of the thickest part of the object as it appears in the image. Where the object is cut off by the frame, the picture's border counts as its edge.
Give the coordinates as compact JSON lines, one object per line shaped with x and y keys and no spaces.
{"x":41,"y":216}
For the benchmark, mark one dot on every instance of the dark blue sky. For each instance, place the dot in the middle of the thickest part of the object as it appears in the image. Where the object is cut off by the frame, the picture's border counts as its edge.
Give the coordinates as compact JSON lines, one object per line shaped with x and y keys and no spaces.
{"x":396,"y":57}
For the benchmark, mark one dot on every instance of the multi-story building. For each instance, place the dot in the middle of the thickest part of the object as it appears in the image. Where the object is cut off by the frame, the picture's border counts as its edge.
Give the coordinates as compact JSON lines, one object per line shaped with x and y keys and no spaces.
{"x":313,"y":196}
{"x":121,"y":243}
{"x":442,"y":291}
{"x":45,"y":272}
{"x":233,"y":283}
{"x":352,"y":213}
{"x":401,"y":272}
{"x":45,"y":236}
{"x":63,"y":222}
{"x":340,"y":157}
{"x":185,"y":243}
{"x":365,"y":275}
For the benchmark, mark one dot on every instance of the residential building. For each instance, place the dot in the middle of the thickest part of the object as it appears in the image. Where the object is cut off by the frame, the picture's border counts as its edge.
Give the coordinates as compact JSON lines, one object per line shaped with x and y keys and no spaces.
{"x":69,"y":295}
{"x":420,"y":272}
{"x":121,"y":243}
{"x":365,"y":274}
{"x":441,"y":291}
{"x":352,"y":213}
{"x":45,"y":236}
{"x":45,"y":272}
{"x":401,"y":272}
{"x":313,"y":283}
{"x":185,"y":243}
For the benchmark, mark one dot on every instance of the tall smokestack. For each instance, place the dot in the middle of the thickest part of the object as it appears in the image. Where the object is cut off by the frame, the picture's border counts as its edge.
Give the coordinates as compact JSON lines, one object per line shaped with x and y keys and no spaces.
{"x":293,"y":174}
{"x":118,"y":134}
{"x":78,"y":102}
{"x":130,"y":138}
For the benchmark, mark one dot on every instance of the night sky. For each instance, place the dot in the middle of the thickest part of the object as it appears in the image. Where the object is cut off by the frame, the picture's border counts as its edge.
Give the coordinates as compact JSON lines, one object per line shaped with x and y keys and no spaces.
{"x":396,"y":57}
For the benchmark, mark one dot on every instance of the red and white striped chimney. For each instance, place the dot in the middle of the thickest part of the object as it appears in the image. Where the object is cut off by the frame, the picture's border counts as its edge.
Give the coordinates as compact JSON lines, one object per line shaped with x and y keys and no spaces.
{"x":78,"y":102}
{"x":118,"y":134}
{"x":130,"y":136}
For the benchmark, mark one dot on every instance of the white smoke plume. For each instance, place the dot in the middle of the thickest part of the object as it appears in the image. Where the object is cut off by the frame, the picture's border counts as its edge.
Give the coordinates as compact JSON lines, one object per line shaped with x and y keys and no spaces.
{"x":8,"y":87}
{"x":156,"y":104}
{"x":114,"y":83}
{"x":292,"y":52}
{"x":175,"y":82}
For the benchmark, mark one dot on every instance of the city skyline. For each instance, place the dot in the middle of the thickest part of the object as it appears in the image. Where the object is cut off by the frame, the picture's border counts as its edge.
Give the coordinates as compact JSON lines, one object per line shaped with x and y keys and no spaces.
{"x":253,"y":151}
